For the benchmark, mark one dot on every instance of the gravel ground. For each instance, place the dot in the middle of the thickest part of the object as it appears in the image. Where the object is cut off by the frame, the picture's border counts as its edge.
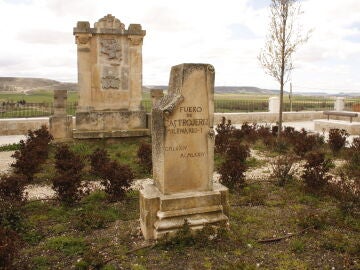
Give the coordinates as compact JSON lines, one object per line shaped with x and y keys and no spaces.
{"x":5,"y":161}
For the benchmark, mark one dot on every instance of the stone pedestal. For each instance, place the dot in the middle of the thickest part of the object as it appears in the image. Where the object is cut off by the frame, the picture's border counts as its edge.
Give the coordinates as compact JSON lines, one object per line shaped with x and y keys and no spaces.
{"x":165,"y":214}
{"x":183,"y":157}
{"x":61,"y":127}
{"x":274,"y":104}
{"x":109,"y":79}
{"x":339,"y":104}
{"x":60,"y":123}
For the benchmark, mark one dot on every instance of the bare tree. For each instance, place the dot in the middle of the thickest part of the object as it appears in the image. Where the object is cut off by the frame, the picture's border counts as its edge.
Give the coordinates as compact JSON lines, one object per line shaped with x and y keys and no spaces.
{"x":282,"y":41}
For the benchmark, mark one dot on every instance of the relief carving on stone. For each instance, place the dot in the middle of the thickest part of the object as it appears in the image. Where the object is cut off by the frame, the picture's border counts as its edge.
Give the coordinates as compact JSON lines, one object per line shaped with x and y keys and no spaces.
{"x":111,"y":48}
{"x":110,"y":78}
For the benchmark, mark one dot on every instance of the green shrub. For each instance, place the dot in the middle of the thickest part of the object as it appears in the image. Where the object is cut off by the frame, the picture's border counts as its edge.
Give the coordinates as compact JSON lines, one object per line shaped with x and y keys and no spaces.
{"x":11,"y":215}
{"x":283,"y":169}
{"x":303,"y":142}
{"x":67,"y":182}
{"x":337,"y":139}
{"x":32,"y":153}
{"x":9,"y":247}
{"x":117,"y":179}
{"x":232,"y":170}
{"x":223,"y":135}
{"x":316,"y":173}
{"x":352,"y":167}
{"x":12,"y":187}
{"x":144,"y":155}
{"x":98,"y":159}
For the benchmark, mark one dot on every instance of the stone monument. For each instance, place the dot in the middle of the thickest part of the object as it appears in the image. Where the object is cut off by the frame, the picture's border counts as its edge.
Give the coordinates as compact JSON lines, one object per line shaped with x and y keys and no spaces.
{"x":61,"y":124}
{"x":109,"y":79}
{"x":183,"y":157}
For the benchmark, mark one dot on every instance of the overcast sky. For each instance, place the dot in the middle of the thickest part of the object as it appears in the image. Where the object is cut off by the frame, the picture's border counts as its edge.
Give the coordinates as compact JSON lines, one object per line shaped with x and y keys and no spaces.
{"x":37,"y":39}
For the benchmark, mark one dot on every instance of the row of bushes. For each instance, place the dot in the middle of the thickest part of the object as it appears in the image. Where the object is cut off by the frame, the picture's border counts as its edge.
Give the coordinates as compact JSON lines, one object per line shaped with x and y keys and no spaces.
{"x":293,"y":146}
{"x":116,"y":179}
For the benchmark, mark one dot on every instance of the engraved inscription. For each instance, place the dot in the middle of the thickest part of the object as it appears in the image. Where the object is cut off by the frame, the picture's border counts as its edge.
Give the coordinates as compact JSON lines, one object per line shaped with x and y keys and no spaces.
{"x":111,"y":48}
{"x":188,"y":123}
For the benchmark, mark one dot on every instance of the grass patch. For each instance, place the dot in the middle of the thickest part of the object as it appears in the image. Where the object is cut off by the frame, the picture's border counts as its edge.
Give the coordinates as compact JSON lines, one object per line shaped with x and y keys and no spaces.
{"x":10,"y":147}
{"x":68,"y":245}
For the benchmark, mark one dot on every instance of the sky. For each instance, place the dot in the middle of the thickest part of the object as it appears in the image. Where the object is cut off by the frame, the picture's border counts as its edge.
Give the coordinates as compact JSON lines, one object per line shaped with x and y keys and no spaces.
{"x":37,"y":39}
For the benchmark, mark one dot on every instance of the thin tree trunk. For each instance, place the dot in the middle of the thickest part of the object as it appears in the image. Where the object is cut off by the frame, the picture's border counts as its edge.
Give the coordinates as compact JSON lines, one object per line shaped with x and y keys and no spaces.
{"x":283,"y":41}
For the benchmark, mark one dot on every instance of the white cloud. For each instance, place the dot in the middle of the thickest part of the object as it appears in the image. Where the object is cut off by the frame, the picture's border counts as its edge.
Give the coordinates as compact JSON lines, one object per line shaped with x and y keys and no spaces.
{"x":38,"y":41}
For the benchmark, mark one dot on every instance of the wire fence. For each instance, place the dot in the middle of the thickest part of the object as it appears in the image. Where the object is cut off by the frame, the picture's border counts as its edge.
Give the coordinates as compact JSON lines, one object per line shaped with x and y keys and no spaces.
{"x":26,"y":109}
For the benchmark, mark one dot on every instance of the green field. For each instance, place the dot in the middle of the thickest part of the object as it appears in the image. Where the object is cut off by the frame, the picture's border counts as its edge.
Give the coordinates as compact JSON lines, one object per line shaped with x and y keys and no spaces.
{"x":40,"y":96}
{"x":223,"y":103}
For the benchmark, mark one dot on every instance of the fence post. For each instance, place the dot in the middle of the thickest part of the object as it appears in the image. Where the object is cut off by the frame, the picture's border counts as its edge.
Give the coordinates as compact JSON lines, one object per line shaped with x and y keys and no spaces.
{"x":274,"y":104}
{"x":339,"y":104}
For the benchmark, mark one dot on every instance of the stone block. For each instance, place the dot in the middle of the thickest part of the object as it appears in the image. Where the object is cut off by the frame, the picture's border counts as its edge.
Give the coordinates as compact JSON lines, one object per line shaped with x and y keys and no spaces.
{"x":164,"y":214}
{"x":325,"y":125}
{"x":61,"y":127}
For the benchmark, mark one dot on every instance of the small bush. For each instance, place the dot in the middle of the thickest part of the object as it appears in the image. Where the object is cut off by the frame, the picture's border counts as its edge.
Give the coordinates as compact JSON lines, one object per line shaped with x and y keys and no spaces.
{"x":67,"y":182}
{"x":223,"y":135}
{"x":337,"y":139}
{"x":11,"y":215}
{"x":232,"y":170}
{"x":249,"y":132}
{"x":283,"y":169}
{"x":12,"y":187}
{"x":144,"y":155}
{"x":116,"y":179}
{"x":316,"y":170}
{"x":98,"y":159}
{"x":303,"y":142}
{"x":352,"y":167}
{"x":347,"y":191}
{"x":264,"y":134}
{"x":9,"y":247}
{"x":32,"y":153}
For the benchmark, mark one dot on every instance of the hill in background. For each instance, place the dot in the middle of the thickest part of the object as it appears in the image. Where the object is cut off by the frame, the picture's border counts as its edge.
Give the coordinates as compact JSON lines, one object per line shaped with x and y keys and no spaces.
{"x":24,"y":85}
{"x":228,"y":90}
{"x":16,"y":84}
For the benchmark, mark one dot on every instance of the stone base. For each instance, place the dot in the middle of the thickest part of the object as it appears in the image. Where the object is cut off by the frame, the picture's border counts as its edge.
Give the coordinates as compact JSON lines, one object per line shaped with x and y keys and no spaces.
{"x":77,"y":134}
{"x":110,"y":120}
{"x":164,"y":214}
{"x":325,"y":125}
{"x":61,"y":127}
{"x":110,"y":124}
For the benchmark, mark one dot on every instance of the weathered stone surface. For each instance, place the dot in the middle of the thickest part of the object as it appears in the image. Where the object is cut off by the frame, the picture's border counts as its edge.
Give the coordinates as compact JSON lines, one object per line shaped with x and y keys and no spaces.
{"x":60,"y":124}
{"x":61,"y":127}
{"x":322,"y":125}
{"x":156,"y":95}
{"x":60,"y":101}
{"x":183,"y":156}
{"x":109,"y":72}
{"x":183,"y":131}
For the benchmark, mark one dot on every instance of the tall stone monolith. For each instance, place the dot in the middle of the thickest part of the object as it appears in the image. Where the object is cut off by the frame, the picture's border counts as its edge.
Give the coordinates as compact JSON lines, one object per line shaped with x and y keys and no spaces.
{"x":183,"y":157}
